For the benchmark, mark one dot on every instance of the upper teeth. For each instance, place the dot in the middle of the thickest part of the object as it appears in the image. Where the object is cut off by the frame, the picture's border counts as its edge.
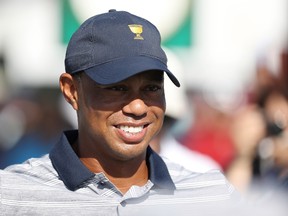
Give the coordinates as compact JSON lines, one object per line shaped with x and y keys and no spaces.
{"x":129,"y":129}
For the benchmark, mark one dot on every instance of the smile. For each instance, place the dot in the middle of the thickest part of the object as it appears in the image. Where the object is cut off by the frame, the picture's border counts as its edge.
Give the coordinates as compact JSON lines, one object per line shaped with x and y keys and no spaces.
{"x":132,"y":133}
{"x":130,"y":129}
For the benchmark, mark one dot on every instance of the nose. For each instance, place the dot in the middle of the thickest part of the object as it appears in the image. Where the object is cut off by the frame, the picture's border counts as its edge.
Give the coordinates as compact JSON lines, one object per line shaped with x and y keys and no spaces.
{"x":136,"y":107}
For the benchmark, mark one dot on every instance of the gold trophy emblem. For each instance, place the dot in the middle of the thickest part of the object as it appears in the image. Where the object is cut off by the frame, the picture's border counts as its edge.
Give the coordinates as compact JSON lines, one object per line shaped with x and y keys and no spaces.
{"x":136,"y":29}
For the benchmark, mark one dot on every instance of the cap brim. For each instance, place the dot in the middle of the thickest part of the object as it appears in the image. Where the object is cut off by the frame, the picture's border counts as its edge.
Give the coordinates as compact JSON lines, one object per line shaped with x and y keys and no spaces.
{"x":121,"y":69}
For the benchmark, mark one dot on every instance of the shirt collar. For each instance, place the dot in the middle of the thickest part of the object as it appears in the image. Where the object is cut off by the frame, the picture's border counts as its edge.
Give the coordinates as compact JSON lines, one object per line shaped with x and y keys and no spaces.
{"x":74,"y":173}
{"x":158,"y":172}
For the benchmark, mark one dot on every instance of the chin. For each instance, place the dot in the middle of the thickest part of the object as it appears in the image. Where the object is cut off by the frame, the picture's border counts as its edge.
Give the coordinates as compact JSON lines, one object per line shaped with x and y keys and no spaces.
{"x":132,"y":152}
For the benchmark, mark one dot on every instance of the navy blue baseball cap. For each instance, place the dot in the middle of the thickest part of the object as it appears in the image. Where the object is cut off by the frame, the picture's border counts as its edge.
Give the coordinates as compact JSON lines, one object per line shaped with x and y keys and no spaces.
{"x":114,"y":46}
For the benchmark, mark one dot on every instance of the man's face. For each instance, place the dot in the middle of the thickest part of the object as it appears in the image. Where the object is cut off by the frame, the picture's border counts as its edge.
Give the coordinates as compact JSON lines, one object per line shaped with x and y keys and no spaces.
{"x":118,"y":121}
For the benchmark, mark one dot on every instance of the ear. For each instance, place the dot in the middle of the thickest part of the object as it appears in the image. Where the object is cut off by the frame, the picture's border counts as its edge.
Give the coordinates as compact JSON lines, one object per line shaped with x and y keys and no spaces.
{"x":69,"y":89}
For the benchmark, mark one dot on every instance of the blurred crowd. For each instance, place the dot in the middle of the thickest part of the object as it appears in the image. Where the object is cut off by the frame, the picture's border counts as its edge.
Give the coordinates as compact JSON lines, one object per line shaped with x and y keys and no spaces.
{"x":31,"y":121}
{"x":259,"y":130}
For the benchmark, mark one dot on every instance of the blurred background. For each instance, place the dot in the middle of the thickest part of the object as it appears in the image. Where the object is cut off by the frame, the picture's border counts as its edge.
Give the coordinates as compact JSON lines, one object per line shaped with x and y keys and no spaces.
{"x":231,"y":112}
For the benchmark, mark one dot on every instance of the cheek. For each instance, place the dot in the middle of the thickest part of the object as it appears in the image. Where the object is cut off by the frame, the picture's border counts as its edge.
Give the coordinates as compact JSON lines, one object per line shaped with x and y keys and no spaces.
{"x":93,"y":114}
{"x":97,"y":125}
{"x":159,"y":113}
{"x":157,"y":106}
{"x":158,"y":101}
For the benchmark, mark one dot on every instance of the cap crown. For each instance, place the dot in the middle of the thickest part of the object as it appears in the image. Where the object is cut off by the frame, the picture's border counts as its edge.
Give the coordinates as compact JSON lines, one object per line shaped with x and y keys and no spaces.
{"x":111,"y":36}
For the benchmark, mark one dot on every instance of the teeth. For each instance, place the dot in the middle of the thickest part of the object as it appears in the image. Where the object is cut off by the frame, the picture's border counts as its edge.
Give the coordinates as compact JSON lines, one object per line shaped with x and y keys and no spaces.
{"x":129,"y":129}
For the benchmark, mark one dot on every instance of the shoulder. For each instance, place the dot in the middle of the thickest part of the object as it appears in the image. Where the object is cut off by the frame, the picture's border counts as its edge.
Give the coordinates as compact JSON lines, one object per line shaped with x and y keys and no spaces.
{"x":212,"y":183}
{"x":33,"y":171}
{"x":180,"y":173}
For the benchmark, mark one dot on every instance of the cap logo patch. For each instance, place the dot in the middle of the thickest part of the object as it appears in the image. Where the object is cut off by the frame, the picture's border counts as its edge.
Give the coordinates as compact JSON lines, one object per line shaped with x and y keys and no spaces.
{"x":136,"y":29}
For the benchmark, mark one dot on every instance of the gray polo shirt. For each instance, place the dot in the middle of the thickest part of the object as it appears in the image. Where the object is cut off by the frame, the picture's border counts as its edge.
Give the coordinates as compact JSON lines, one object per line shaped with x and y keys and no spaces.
{"x":59,"y":184}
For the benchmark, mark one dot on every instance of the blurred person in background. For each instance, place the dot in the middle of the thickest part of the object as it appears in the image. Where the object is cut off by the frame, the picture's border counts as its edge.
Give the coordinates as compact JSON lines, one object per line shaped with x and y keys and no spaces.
{"x":260,"y":133}
{"x":209,"y":132}
{"x":30,"y":123}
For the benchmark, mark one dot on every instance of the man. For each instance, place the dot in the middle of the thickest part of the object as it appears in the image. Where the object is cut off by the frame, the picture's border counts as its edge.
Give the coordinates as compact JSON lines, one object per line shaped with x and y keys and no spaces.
{"x":114,"y":80}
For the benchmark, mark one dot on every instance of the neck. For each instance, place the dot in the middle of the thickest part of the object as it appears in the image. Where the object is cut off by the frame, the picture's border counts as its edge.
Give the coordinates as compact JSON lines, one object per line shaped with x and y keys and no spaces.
{"x":122,"y":174}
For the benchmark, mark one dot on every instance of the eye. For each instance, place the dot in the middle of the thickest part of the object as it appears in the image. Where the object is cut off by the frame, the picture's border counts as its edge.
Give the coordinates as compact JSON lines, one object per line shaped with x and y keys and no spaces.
{"x":153,"y":88}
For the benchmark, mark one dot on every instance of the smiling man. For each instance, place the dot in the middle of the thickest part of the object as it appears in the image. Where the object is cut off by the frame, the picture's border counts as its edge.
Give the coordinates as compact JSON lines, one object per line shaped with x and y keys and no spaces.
{"x":116,"y":123}
{"x":114,"y":80}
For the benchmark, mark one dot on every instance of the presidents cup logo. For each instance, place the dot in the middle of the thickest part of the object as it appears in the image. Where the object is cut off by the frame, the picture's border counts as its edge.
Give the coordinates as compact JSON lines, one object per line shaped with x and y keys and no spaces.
{"x":136,"y":29}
